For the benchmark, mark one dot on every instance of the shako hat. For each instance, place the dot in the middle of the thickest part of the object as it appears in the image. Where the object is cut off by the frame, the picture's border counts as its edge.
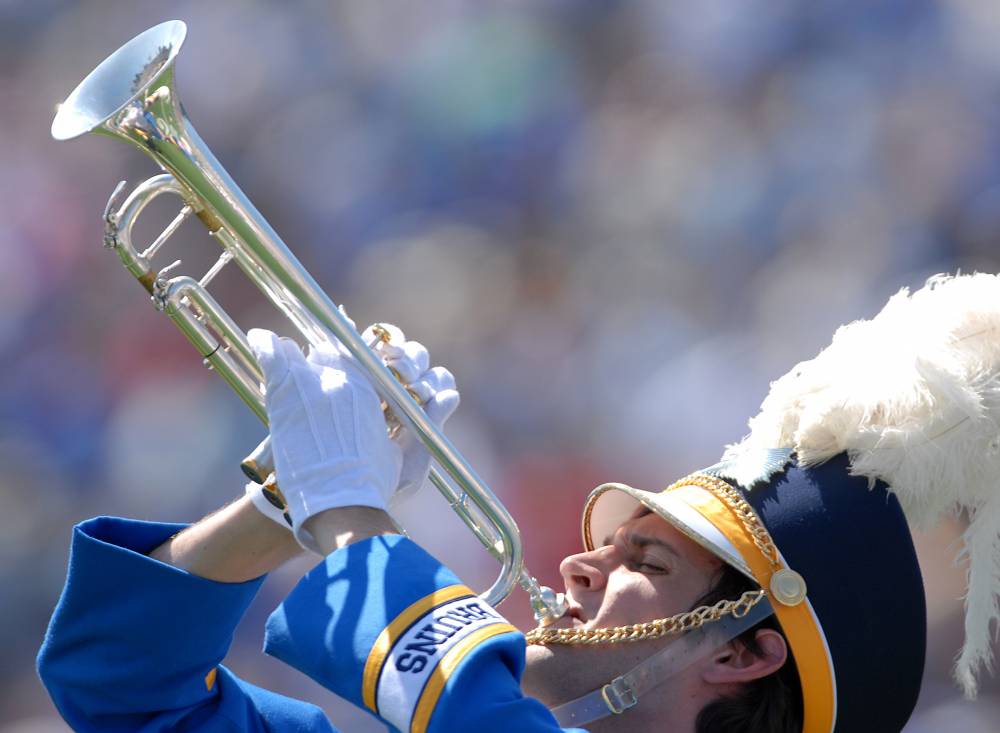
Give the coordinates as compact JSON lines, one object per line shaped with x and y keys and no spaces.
{"x":895,"y":424}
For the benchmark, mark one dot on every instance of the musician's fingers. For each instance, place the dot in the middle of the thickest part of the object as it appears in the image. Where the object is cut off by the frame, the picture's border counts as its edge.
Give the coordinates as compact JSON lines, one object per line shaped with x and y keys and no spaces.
{"x":385,"y":338}
{"x":431,"y":382}
{"x":441,"y":406}
{"x":276,"y":356}
{"x":440,"y":378}
{"x":327,"y":353}
{"x":411,"y":363}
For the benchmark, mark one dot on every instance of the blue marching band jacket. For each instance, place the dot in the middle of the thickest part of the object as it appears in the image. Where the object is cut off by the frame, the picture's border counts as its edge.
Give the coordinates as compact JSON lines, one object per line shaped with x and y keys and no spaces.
{"x":137,"y":645}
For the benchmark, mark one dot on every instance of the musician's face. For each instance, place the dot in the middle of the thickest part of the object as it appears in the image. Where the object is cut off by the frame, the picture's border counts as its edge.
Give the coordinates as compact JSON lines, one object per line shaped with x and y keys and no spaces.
{"x":647,"y":570}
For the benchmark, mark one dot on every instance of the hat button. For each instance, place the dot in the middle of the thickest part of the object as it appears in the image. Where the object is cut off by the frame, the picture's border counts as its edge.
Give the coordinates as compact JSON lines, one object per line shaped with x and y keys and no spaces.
{"x":788,"y":587}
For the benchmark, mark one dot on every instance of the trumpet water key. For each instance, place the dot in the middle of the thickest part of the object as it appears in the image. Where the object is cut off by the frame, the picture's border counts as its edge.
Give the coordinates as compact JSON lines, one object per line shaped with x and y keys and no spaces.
{"x":132,"y":96}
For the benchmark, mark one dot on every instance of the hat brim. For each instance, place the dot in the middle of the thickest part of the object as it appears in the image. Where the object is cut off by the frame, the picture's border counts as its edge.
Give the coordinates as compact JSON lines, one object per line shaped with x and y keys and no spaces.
{"x":611,"y":505}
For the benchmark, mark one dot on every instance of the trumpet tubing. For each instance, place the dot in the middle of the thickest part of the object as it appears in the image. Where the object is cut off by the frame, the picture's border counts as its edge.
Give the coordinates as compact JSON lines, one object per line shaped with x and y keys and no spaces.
{"x":132,"y":96}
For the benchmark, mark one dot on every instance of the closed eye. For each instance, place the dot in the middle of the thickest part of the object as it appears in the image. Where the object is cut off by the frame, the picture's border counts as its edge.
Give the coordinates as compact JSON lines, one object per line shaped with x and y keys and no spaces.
{"x":650,"y":568}
{"x":635,"y":547}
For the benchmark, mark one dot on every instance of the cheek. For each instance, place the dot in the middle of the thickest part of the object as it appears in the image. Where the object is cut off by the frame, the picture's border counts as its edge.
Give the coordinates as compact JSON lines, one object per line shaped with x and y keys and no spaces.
{"x":633,"y":598}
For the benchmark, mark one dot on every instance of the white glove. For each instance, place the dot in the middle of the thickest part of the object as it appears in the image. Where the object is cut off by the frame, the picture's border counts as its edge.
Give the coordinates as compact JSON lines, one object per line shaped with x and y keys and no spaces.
{"x":328,"y":435}
{"x":432,"y":387}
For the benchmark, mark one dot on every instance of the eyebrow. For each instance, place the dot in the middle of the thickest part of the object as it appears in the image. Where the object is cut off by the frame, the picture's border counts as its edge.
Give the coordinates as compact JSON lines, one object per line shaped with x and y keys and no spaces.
{"x":641,"y":540}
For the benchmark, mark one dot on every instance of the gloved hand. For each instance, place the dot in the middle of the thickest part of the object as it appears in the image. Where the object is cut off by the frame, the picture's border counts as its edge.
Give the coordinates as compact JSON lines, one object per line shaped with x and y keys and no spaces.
{"x":328,"y":434}
{"x":432,"y":387}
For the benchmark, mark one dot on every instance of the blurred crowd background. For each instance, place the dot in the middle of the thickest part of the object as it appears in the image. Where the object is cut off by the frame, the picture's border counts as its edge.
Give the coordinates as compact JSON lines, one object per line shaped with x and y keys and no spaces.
{"x":615,"y":222}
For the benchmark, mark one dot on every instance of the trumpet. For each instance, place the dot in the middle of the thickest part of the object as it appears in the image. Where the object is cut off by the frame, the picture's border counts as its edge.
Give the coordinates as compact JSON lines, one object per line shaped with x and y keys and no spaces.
{"x":132,"y":96}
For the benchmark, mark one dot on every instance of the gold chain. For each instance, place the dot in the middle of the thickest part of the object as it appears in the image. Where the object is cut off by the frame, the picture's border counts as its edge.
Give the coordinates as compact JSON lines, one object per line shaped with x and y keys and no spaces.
{"x":740,"y":507}
{"x":678,"y":624}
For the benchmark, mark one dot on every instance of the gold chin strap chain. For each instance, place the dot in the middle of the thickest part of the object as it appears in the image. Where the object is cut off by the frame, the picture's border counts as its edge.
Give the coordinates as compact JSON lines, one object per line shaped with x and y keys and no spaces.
{"x":678,"y":624}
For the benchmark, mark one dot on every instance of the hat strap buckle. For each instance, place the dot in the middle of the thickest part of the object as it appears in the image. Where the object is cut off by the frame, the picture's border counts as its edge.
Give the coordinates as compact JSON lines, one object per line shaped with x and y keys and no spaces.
{"x":623,"y":692}
{"x":618,"y":695}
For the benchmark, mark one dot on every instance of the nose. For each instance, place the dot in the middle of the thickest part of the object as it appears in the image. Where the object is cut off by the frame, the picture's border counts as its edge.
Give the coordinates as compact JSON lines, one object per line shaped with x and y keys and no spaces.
{"x":586,"y":571}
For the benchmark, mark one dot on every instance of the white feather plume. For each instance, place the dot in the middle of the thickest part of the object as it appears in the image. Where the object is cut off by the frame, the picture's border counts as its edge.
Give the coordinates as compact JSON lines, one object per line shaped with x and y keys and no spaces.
{"x":913,"y":397}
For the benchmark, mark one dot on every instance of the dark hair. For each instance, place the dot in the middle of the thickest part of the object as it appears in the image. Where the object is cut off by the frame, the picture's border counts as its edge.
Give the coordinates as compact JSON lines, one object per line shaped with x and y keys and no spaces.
{"x":771,"y":704}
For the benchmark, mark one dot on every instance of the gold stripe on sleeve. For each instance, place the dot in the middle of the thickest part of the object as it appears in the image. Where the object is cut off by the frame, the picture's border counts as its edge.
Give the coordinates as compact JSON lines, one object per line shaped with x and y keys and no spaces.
{"x":392,"y":632}
{"x":435,"y":685}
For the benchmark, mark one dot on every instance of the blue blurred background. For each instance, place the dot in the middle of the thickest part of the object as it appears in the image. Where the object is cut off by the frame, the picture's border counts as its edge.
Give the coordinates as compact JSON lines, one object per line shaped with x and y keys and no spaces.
{"x":615,"y":222}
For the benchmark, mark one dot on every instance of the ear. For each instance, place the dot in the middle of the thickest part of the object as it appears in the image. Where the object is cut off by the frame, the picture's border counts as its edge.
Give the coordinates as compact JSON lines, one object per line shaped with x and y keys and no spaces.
{"x":735,"y":663}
